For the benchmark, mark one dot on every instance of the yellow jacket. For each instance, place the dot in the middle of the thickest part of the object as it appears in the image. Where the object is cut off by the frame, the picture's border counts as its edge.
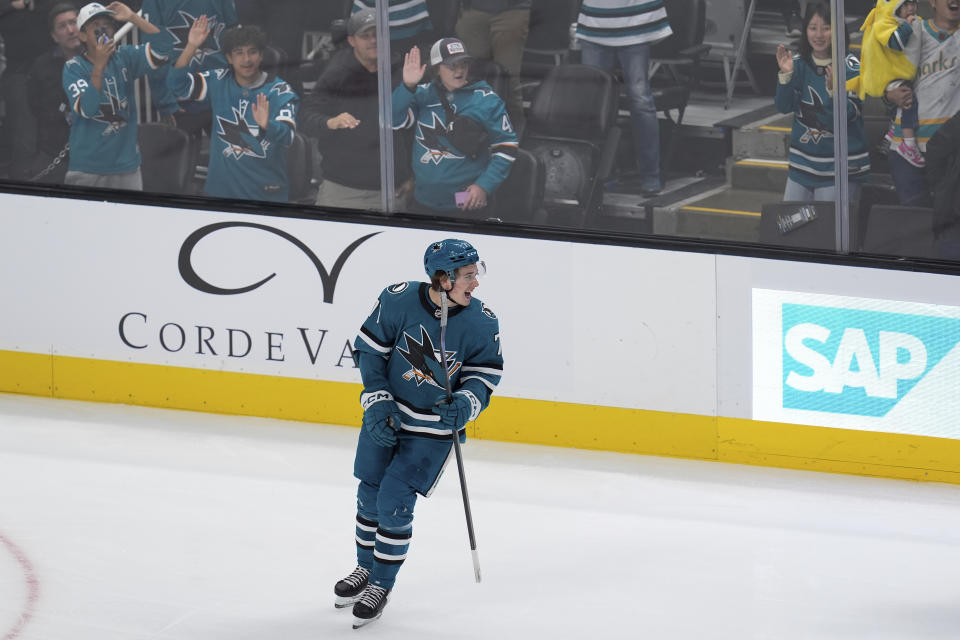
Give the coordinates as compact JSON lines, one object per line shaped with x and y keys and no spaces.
{"x":879,"y":64}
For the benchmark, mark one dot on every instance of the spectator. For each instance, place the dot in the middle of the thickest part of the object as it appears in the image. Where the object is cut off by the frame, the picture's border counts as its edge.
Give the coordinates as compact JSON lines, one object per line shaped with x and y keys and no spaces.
{"x":174,"y":19}
{"x":410,"y":24}
{"x":453,"y":170}
{"x":934,"y":49}
{"x":99,"y":86}
{"x":886,"y":31}
{"x":804,"y":90}
{"x":47,"y":100}
{"x":254,"y":115}
{"x":612,"y":31}
{"x":498,"y":29}
{"x":343,"y":112}
{"x":284,"y":22}
{"x":943,"y":152}
{"x":23,"y":28}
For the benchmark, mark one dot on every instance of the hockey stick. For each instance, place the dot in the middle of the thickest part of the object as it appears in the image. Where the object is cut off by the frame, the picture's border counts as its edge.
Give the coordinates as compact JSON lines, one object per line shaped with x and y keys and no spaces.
{"x":456,"y":436}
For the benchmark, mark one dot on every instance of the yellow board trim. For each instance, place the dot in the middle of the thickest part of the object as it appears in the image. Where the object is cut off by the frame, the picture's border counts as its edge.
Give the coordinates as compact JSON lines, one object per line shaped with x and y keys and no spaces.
{"x":765,"y":165}
{"x":731,"y":211}
{"x":519,"y":420}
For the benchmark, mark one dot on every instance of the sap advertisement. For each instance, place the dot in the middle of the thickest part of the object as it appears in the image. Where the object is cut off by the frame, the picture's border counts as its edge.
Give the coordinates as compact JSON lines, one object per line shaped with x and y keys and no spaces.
{"x":856,"y":363}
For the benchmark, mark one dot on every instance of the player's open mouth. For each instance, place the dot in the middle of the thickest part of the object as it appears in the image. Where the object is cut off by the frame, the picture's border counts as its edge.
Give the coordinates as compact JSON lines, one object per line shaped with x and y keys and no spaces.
{"x":953,"y":6}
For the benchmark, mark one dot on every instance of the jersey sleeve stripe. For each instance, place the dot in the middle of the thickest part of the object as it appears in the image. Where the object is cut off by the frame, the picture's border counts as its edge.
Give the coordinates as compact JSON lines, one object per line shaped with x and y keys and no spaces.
{"x":488,"y":383}
{"x":373,"y":341}
{"x":155,"y":61}
{"x":290,"y":122}
{"x":492,"y":370}
{"x":407,"y":122}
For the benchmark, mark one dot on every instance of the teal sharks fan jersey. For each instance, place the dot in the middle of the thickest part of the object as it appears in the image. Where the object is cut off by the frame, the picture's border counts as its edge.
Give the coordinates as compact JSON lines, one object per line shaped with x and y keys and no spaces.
{"x":398,"y":349}
{"x":245,"y":163}
{"x":174,"y":19}
{"x":103,"y":139}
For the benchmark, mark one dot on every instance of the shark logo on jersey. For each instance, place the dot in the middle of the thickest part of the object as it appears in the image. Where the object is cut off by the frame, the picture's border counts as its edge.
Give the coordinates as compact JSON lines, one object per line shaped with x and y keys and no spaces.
{"x":239,"y":138}
{"x":109,"y":113}
{"x":181,"y":32}
{"x":808,"y":115}
{"x":282,"y":89}
{"x":425,"y":360}
{"x":429,"y":136}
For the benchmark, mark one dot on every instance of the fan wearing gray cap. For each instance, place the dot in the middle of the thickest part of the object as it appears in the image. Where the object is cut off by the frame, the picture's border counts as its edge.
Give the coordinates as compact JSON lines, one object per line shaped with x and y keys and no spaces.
{"x":343,"y":114}
{"x":464,"y":143}
{"x":99,"y":86}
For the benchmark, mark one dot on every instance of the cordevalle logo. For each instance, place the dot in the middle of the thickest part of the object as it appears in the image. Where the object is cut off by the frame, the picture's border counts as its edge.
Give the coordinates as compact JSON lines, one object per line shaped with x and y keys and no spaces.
{"x":328,"y":279}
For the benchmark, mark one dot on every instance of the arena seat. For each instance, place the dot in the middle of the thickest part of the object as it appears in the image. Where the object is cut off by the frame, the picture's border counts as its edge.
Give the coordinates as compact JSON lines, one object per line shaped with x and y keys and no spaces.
{"x":900,"y":231}
{"x":169,"y":157}
{"x":571,"y":127}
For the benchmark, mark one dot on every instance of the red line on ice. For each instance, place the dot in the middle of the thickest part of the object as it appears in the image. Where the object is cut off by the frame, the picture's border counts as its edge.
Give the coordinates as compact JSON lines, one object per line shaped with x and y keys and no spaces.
{"x":33,"y":587}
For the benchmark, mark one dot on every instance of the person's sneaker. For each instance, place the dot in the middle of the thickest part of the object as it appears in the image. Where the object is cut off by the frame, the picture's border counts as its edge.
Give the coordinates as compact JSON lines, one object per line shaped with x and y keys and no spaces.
{"x":650,"y":186}
{"x":794,"y":26}
{"x":349,"y":590}
{"x":370,"y":606}
{"x":911,"y":153}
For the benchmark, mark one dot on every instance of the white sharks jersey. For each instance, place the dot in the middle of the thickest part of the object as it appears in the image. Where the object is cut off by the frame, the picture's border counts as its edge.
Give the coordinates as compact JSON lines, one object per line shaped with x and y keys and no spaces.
{"x":398,"y":349}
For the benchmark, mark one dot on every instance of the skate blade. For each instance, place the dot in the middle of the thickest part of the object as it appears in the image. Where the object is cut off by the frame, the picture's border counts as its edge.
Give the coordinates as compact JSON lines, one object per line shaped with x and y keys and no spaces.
{"x":360,"y":622}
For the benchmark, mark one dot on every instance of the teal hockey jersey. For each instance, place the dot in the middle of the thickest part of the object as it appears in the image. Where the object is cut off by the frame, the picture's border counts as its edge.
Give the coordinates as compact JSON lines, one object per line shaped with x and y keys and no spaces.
{"x":398,"y":349}
{"x":811,"y":139}
{"x":174,"y":19}
{"x":439,"y":167}
{"x":245,"y":162}
{"x":103,"y":136}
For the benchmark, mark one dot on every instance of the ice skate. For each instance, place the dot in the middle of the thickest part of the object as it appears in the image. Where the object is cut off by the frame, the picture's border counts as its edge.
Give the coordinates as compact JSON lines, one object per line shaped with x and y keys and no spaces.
{"x":911,"y":153}
{"x":370,"y":606}
{"x":349,"y":590}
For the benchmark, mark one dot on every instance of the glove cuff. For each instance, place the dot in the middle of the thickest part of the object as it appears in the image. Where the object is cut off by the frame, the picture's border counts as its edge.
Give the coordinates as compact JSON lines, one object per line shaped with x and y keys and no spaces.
{"x":475,"y":404}
{"x":367,"y":399}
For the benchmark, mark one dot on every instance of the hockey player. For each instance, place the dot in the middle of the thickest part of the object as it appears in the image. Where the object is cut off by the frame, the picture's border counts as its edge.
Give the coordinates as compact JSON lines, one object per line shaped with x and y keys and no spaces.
{"x":408,"y":421}
{"x":254,"y":115}
{"x":451,"y":177}
{"x":100,"y":91}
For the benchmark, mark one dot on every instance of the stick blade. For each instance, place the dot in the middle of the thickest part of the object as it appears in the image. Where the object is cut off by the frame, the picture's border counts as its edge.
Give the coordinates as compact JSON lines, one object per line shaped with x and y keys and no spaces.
{"x":476,"y":565}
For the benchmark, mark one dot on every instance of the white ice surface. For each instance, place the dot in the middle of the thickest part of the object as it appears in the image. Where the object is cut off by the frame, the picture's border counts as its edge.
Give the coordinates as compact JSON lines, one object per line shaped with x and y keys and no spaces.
{"x":143,"y":523}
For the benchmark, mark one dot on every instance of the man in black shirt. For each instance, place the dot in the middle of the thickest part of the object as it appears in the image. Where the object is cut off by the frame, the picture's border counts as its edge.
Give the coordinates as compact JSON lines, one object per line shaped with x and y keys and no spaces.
{"x":23,"y":29}
{"x":47,"y":99}
{"x":343,"y":113}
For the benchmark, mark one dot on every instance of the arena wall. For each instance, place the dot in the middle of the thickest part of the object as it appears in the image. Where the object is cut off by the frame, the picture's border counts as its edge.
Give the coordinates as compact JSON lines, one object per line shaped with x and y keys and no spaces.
{"x":735,"y":359}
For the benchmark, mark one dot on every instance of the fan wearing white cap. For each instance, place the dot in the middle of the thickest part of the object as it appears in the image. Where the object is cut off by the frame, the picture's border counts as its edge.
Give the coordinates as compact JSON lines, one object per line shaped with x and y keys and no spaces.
{"x":464,"y":143}
{"x":100,"y":91}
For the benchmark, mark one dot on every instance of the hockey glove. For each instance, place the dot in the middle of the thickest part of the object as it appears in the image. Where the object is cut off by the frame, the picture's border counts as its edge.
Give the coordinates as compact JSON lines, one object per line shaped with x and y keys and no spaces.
{"x":381,"y":420}
{"x":455,"y":412}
